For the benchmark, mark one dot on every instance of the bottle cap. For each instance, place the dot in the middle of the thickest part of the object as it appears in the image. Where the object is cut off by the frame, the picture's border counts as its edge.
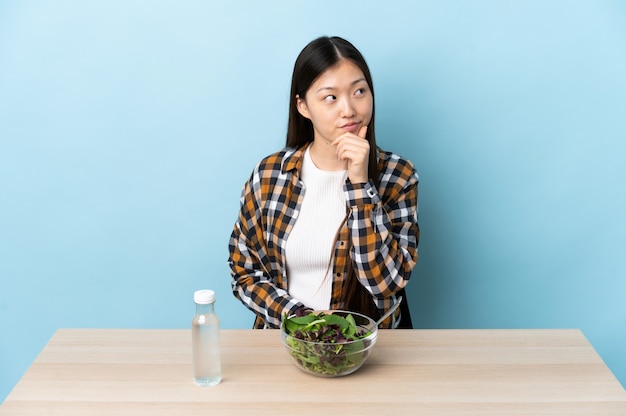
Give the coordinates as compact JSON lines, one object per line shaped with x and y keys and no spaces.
{"x":204,"y":296}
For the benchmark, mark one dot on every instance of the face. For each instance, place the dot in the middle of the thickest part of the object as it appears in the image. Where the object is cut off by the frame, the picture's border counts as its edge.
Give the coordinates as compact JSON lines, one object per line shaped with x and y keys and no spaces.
{"x":337,"y":102}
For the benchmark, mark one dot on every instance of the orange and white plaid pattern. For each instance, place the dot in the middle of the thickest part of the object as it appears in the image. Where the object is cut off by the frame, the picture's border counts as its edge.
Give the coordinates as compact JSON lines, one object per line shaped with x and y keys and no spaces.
{"x":379,"y":237}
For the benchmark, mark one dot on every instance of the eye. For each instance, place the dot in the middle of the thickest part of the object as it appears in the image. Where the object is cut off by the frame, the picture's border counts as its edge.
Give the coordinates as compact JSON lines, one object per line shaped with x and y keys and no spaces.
{"x":330,"y":98}
{"x":360,"y":91}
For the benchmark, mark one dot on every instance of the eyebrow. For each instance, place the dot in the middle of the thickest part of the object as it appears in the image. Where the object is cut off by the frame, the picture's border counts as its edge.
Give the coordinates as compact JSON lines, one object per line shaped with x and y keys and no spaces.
{"x":334,"y":88}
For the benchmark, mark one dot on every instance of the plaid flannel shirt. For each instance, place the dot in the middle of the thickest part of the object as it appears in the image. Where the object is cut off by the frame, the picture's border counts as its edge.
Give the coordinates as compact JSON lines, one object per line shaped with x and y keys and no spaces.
{"x":381,"y":224}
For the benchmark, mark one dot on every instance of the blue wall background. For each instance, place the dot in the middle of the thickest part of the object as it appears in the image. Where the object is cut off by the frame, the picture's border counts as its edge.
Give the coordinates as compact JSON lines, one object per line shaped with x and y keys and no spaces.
{"x":128,"y":127}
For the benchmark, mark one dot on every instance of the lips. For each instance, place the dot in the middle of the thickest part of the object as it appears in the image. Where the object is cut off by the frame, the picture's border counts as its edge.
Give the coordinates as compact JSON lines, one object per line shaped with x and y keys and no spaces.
{"x":350,"y":126}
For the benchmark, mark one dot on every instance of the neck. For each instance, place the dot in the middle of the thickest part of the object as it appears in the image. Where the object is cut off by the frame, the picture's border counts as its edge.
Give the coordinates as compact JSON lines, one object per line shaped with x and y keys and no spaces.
{"x":324,"y":156}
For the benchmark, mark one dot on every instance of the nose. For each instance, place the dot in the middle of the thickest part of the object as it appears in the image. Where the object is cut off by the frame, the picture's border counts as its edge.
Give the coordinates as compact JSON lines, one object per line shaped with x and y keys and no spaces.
{"x":347,"y":108}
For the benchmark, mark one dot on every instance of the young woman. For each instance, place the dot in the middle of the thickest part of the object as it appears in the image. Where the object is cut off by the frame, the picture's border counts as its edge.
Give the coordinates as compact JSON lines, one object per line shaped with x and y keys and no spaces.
{"x":329,"y":221}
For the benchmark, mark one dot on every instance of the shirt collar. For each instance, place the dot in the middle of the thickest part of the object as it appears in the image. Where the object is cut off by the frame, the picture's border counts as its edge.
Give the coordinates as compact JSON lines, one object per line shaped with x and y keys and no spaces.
{"x":294,"y":160}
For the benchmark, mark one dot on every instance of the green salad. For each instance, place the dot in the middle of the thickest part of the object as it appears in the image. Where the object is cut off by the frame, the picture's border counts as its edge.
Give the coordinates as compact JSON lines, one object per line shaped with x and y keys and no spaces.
{"x":325,"y":343}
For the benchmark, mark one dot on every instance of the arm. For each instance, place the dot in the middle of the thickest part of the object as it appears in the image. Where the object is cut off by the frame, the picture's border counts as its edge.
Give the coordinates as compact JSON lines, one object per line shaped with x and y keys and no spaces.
{"x":255,"y":265}
{"x":383,"y":228}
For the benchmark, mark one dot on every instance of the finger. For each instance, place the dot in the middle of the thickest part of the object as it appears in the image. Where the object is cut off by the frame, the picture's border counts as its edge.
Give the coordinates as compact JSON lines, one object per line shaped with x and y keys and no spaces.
{"x":363,"y":132}
{"x":353,"y":142}
{"x":354,"y":154}
{"x":351,"y":139}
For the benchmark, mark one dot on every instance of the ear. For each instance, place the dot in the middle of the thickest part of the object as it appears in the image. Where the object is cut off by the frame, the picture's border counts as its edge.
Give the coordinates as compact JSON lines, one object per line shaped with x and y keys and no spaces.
{"x":303,"y":109}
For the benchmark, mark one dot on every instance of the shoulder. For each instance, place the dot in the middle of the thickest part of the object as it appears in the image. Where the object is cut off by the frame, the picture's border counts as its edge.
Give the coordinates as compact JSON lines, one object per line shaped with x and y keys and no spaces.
{"x":277,"y":162}
{"x":393,"y":167}
{"x":274,"y":160}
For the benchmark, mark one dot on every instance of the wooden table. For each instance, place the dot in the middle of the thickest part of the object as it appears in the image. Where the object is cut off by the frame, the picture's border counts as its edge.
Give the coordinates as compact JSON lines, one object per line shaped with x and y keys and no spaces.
{"x":90,"y":372}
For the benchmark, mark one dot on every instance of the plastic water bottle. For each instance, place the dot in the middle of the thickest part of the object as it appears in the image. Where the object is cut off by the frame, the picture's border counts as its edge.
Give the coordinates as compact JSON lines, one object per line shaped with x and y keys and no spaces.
{"x":205,"y":338}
